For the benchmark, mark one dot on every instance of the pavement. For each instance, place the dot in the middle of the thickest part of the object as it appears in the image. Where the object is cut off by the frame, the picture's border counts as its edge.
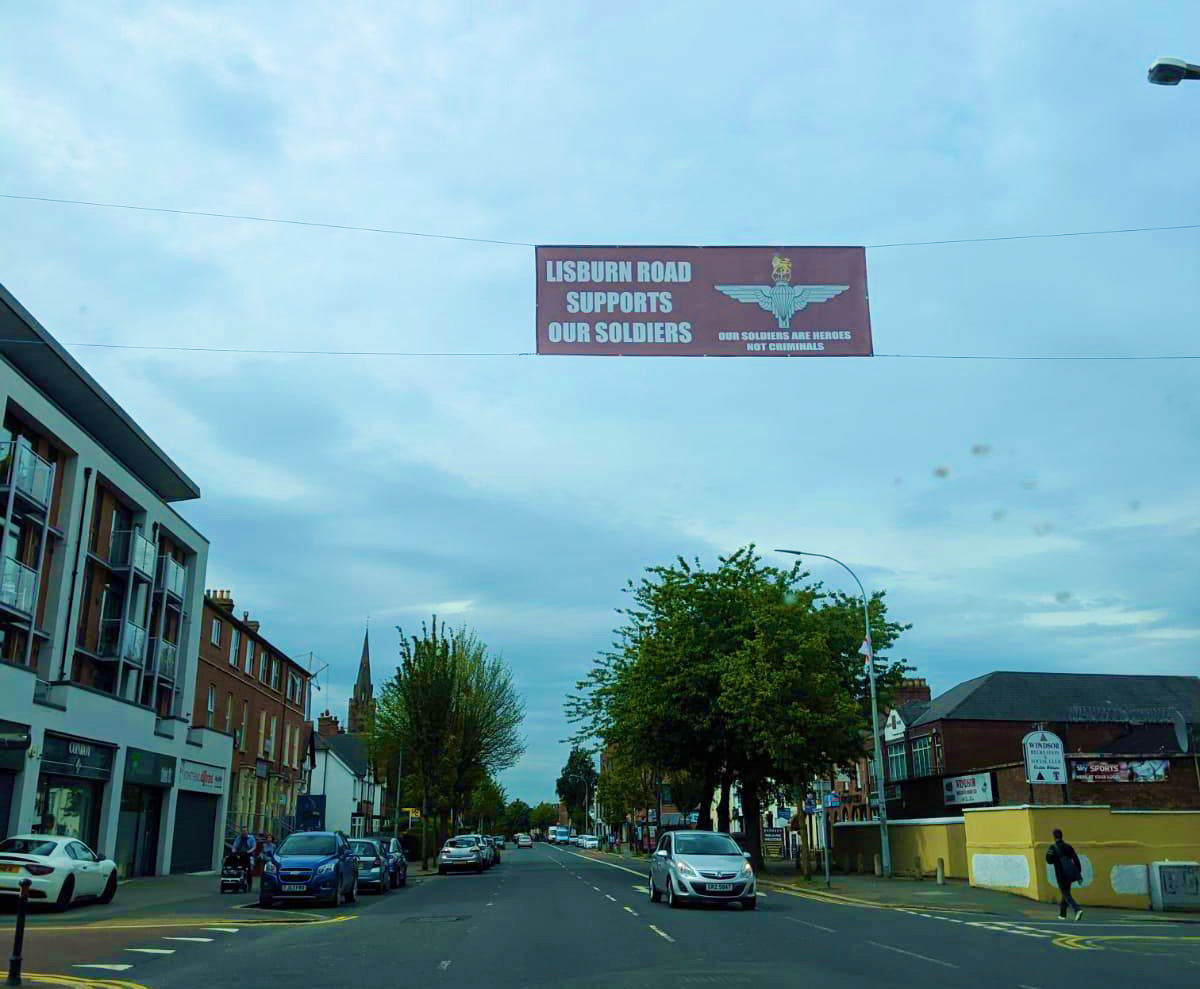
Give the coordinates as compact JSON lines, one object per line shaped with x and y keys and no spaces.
{"x":556,"y":917}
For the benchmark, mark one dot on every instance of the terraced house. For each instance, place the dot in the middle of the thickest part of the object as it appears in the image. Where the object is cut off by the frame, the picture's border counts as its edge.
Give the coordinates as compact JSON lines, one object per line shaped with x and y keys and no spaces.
{"x":101,"y":586}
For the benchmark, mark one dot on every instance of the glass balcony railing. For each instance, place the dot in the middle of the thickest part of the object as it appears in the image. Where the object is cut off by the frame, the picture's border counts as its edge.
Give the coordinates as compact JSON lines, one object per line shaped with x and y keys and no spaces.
{"x":172,"y":577}
{"x":143,"y":553}
{"x":165,"y":654}
{"x":131,"y":648}
{"x":118,"y":548}
{"x":32,"y":474}
{"x":17,"y":583}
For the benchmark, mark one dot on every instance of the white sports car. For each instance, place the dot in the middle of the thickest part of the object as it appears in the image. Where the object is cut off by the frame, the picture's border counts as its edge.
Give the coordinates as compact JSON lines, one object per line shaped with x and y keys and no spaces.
{"x":60,"y":870}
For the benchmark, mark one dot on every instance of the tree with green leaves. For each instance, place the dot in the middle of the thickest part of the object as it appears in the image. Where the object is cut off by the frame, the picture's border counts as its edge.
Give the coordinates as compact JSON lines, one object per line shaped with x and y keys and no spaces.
{"x":576,"y":785}
{"x":516,"y":818}
{"x":486,"y":807}
{"x":543,"y":816}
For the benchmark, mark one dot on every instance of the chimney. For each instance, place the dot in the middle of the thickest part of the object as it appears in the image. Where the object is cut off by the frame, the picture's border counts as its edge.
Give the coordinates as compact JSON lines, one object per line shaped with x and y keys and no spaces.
{"x":246,"y":619}
{"x":911,"y":689}
{"x":328,"y":725}
{"x":222,"y":599}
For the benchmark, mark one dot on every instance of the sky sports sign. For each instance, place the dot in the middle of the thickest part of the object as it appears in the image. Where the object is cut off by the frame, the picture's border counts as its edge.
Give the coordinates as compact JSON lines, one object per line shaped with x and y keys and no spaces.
{"x":703,"y":301}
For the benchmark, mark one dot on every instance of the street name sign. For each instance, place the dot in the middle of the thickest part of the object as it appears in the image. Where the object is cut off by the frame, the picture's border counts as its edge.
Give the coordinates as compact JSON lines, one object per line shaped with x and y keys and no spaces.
{"x":1045,"y":758}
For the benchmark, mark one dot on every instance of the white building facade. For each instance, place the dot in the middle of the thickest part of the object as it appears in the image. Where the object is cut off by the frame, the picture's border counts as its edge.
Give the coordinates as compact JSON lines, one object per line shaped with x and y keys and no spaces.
{"x":346,"y":778}
{"x":101,"y":593}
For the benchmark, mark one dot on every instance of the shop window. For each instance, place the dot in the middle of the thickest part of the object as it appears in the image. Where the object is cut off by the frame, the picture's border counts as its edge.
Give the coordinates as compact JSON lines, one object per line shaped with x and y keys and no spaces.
{"x":922,"y":751}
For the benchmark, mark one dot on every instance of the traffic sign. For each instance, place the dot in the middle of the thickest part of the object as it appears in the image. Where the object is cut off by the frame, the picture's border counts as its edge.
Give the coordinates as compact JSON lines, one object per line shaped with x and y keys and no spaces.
{"x":810,"y":805}
{"x":833,"y":800}
{"x":1045,"y":758}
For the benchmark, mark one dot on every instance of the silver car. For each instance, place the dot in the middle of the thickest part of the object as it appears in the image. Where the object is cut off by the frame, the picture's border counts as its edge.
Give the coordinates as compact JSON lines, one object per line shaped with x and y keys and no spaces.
{"x":701,"y":867}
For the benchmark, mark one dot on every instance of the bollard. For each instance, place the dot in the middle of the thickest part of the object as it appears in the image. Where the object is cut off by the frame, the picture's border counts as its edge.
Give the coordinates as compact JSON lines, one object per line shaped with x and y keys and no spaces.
{"x":878,"y":865}
{"x":14,"y":961}
{"x":920,"y":871}
{"x":941,"y":872}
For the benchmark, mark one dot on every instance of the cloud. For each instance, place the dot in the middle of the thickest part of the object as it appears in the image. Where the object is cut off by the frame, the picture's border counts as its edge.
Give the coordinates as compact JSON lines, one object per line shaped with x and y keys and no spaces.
{"x":1095,"y":616}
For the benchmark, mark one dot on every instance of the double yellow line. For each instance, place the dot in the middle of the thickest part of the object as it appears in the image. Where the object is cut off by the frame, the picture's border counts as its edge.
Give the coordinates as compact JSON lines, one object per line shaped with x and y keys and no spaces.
{"x":74,"y":982}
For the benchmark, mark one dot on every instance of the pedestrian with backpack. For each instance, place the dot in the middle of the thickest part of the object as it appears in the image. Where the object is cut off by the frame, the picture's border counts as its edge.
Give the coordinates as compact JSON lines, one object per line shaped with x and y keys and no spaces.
{"x":1067,"y":870}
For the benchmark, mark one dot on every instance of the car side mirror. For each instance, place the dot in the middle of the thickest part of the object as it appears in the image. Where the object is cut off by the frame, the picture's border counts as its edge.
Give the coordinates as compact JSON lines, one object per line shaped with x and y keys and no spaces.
{"x":746,"y":856}
{"x":662,"y":852}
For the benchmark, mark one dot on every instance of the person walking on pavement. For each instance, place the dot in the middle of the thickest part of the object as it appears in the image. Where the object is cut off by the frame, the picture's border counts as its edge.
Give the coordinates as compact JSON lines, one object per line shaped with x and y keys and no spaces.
{"x":1067,"y":870}
{"x":268,"y":848}
{"x":243,"y":847}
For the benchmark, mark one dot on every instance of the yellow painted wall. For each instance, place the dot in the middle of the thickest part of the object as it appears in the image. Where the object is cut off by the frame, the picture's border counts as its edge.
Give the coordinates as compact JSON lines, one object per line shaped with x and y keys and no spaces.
{"x":1006,"y":849}
{"x":937,"y":838}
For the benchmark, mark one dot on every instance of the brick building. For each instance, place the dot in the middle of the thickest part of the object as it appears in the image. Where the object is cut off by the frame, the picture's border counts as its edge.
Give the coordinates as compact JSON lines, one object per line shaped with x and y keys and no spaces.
{"x":963,"y":748}
{"x":250,"y":689}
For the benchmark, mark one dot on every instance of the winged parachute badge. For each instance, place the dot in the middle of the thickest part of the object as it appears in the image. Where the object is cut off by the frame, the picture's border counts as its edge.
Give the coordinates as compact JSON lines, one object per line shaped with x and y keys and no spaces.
{"x":782,"y":299}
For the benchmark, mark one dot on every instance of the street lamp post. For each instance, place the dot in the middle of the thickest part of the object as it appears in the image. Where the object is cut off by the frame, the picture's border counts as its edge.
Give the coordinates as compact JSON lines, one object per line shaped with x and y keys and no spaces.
{"x":884,"y":844}
{"x":1172,"y":71}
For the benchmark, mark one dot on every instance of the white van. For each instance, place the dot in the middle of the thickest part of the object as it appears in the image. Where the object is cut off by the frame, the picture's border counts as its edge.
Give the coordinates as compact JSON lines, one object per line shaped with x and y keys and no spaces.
{"x":558,"y":835}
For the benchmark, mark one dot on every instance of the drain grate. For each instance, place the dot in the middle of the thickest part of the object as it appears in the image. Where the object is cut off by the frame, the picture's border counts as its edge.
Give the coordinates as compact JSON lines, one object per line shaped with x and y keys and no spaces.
{"x":451,"y":919}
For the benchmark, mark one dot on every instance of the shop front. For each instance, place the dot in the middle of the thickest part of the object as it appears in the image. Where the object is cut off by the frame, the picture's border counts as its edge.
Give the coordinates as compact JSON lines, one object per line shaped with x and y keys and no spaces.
{"x":14,"y":749}
{"x":149,"y":777}
{"x":71,"y":784}
{"x":196,"y":816}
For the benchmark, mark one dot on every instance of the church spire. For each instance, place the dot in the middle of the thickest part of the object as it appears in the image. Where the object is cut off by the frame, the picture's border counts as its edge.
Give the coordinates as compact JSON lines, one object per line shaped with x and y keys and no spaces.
{"x":362,"y":702}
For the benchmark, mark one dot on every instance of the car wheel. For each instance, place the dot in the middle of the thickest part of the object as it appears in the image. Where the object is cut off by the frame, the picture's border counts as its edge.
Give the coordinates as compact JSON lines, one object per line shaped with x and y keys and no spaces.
{"x":403,"y":880}
{"x":265,"y":902}
{"x":441,"y":870}
{"x":352,"y":896}
{"x":385,"y":883}
{"x":672,"y":899}
{"x":655,"y":895}
{"x":110,"y":888}
{"x":65,"y":895}
{"x":337,"y":893}
{"x":750,"y":903}
{"x":479,"y":868}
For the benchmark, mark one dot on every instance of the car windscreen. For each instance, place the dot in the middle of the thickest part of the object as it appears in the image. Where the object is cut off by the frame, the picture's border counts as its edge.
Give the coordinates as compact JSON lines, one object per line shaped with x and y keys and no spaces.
{"x":308,"y":844}
{"x":364,"y":848}
{"x":461,"y":843}
{"x":27,"y":846}
{"x":705,"y":844}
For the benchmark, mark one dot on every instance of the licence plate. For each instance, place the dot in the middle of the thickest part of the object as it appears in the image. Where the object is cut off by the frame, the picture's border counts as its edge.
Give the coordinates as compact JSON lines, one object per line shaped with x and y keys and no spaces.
{"x":294,"y":887}
{"x":10,"y":868}
{"x":720,"y":887}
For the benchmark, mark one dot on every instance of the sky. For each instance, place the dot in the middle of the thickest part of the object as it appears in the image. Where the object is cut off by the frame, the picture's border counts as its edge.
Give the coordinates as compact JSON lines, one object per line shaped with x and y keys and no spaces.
{"x":1020,"y":514}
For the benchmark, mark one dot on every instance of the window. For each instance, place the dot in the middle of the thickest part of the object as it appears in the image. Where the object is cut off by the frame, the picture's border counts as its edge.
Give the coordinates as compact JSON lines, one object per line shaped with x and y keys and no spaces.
{"x":939,"y":759}
{"x":897,"y":764}
{"x":290,"y":689}
{"x":212,"y":703}
{"x":235,"y":638}
{"x":262,"y":667}
{"x":274,"y":674}
{"x":228,"y":713}
{"x":274,"y":753}
{"x":262,"y":731}
{"x":296,"y":748}
{"x":923,"y":756}
{"x":287,"y":744}
{"x":245,"y":725}
{"x":249,"y":667}
{"x":214,"y":632}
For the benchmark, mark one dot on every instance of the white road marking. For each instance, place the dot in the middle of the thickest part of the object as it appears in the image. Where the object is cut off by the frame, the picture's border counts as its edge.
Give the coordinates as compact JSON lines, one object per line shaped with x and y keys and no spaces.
{"x":107,"y":968}
{"x":596,"y":888}
{"x":224,"y":930}
{"x":198,"y":940}
{"x":611,"y":865}
{"x":642,"y":889}
{"x":662,"y":934}
{"x":760,"y":894}
{"x":487,"y":904}
{"x":613,"y":898}
{"x":913,"y":954}
{"x":444,"y":965}
{"x":153,"y":951}
{"x":632,"y":911}
{"x":807,"y":923}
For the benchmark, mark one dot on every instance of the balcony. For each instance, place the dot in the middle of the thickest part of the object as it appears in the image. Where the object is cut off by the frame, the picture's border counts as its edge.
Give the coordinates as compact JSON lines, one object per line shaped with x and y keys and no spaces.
{"x":131,"y":647}
{"x":164,"y":655}
{"x":17,"y":583}
{"x":143,"y":553}
{"x":172,"y":577}
{"x":33,"y":475}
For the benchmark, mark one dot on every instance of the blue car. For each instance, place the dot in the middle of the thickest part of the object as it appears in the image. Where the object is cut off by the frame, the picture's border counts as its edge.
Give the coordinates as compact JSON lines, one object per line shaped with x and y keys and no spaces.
{"x":310,"y":865}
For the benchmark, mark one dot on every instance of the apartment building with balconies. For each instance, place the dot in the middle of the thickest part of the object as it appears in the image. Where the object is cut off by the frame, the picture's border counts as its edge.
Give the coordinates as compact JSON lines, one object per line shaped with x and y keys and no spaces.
{"x":101,"y":589}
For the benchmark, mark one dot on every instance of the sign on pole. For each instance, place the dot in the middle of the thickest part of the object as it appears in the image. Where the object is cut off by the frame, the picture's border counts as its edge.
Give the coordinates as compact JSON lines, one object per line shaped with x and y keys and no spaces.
{"x":1045,"y":758}
{"x":703,"y":301}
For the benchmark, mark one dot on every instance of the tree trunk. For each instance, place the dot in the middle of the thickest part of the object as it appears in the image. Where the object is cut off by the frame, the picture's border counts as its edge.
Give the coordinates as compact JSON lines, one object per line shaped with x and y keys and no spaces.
{"x":710,"y":784}
{"x":723,"y":803}
{"x":752,"y":817}
{"x":804,"y":818}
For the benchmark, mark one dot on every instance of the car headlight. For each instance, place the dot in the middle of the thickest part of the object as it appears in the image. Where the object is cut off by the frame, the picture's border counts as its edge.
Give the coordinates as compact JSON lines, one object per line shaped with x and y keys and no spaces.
{"x":747,"y":870}
{"x":687,"y":870}
{"x":325,"y":868}
{"x":269,"y":869}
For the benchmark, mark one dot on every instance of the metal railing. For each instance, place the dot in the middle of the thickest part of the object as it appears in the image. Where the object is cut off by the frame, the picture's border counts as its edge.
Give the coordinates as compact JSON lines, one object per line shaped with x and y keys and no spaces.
{"x":118,"y":548}
{"x":164,"y":655}
{"x":143,"y":553}
{"x":131,"y":648}
{"x":31,"y":473}
{"x":17,"y":583}
{"x":171,"y":575}
{"x":46,"y":692}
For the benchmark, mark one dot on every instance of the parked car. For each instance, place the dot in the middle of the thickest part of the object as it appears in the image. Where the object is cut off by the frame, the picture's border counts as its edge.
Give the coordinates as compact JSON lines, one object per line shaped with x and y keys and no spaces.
{"x":524,"y":841}
{"x":499,"y":841}
{"x":589,"y":841}
{"x":463,"y":852}
{"x":310,"y":865}
{"x":60,"y":870}
{"x":703,"y":867}
{"x":491,"y":843}
{"x":397,"y":859}
{"x":374,"y":865}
